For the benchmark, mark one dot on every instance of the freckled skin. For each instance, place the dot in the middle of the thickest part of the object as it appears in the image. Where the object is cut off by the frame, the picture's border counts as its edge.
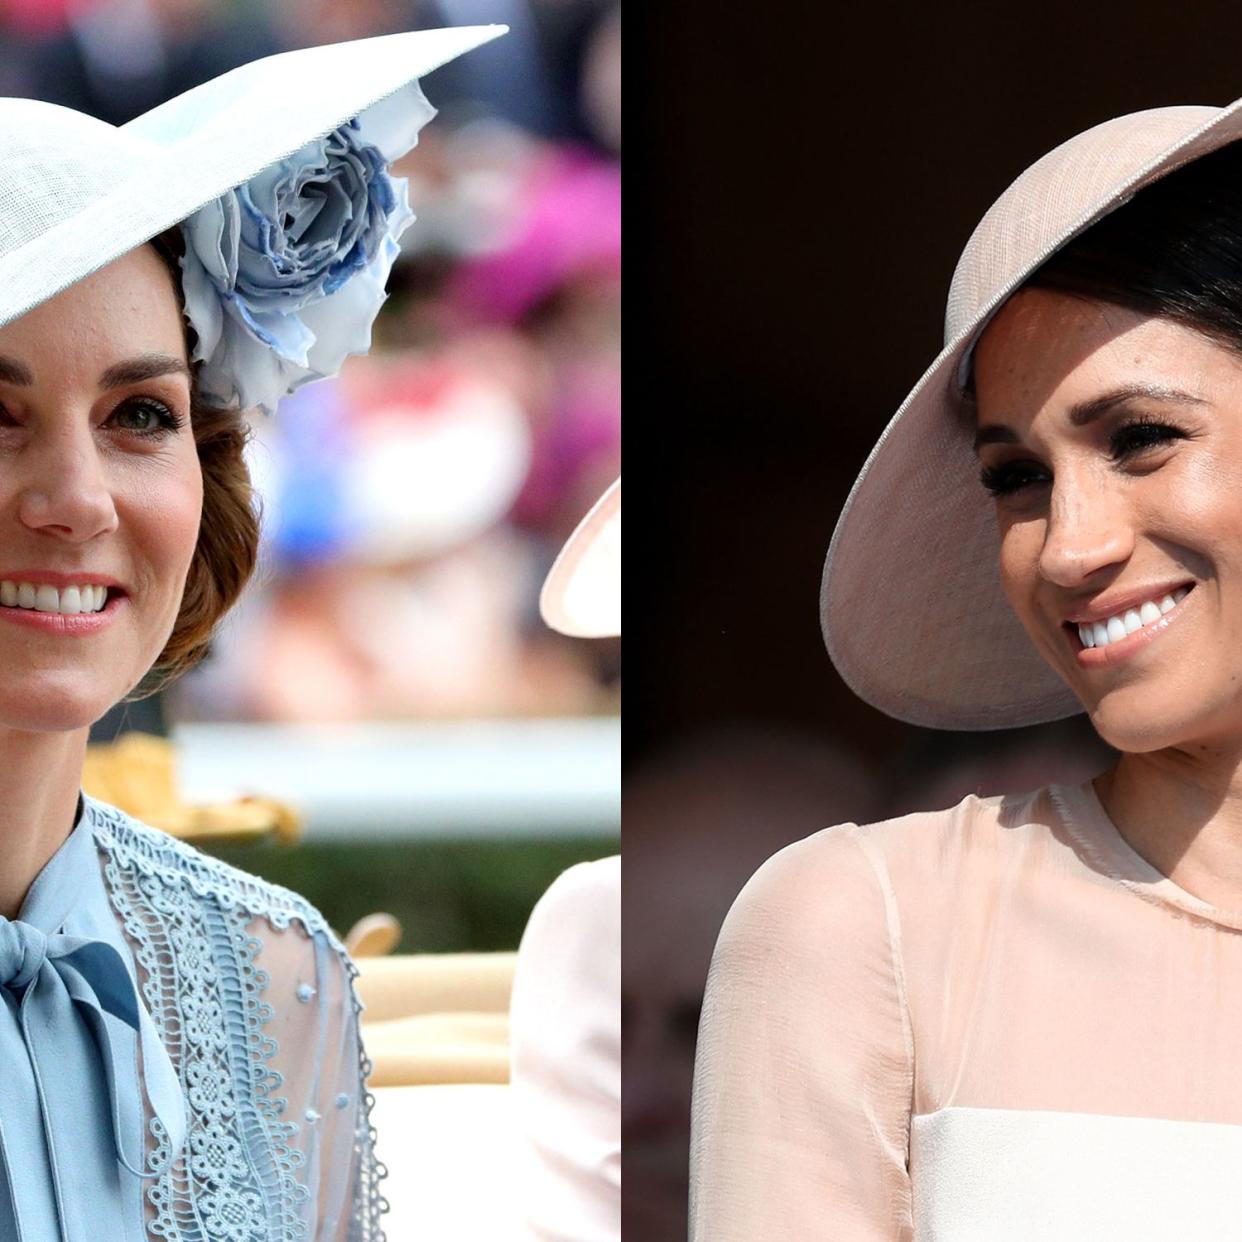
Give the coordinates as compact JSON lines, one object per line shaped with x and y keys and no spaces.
{"x":1101,"y":525}
{"x":77,"y":492}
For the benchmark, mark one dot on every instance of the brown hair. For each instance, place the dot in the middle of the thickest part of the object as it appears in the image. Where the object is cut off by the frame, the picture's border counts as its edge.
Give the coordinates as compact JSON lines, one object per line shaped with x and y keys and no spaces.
{"x":228,"y":533}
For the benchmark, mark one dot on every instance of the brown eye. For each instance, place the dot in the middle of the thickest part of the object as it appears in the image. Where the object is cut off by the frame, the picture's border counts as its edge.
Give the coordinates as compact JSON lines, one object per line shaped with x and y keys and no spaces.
{"x":1007,"y":479}
{"x":1137,"y":436}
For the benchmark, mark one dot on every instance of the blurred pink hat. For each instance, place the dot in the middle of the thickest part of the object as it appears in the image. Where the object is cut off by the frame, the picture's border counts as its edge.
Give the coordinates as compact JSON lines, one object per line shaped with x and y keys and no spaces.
{"x":571,"y":224}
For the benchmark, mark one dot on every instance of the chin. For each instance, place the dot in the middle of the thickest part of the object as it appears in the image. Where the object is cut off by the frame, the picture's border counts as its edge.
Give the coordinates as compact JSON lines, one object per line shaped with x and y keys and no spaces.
{"x":1137,"y":722}
{"x":56,"y":704}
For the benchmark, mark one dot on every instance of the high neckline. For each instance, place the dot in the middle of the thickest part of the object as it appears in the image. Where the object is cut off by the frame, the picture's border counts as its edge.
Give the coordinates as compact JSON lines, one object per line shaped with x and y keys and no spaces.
{"x":54,"y":891}
{"x":1101,"y":841}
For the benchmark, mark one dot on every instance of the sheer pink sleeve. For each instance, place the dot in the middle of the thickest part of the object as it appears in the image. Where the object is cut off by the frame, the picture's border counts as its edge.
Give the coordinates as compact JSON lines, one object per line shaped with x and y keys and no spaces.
{"x":804,"y":1073}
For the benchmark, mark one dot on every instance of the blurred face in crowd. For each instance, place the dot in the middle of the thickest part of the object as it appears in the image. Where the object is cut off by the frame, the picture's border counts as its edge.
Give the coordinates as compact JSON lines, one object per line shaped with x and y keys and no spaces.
{"x":697,"y":826}
{"x":100,"y":493}
{"x":1112,"y":441}
{"x":667,"y":953}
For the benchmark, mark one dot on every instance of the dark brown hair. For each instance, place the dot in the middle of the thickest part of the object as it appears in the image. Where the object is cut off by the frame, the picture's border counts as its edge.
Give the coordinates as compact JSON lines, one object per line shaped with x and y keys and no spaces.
{"x":1174,"y":250}
{"x":228,"y":534}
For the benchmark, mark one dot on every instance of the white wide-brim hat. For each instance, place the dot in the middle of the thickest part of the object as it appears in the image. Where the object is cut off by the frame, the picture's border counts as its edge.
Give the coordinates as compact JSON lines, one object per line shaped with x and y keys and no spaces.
{"x":77,"y":193}
{"x":911,"y":604}
{"x":581,"y":595}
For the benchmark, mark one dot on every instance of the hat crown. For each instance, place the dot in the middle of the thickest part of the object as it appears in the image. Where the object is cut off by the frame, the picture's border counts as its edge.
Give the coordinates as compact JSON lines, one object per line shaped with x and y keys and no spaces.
{"x":56,"y":162}
{"x":1059,"y":194}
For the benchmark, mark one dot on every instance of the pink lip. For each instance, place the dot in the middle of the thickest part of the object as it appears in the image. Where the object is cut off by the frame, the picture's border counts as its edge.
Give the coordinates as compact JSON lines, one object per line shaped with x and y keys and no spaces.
{"x":1124,"y":648}
{"x":68,"y":626}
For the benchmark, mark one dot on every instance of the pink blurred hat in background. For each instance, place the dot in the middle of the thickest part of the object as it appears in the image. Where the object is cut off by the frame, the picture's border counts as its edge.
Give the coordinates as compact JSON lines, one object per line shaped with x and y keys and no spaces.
{"x":911,"y":604}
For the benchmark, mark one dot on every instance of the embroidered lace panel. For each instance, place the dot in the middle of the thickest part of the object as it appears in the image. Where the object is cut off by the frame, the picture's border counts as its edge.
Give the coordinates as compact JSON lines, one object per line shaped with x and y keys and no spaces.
{"x":253,"y":997}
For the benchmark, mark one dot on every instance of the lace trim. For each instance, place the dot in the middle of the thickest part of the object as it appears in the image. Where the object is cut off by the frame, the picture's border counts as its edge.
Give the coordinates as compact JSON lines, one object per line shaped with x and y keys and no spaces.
{"x":187,"y":916}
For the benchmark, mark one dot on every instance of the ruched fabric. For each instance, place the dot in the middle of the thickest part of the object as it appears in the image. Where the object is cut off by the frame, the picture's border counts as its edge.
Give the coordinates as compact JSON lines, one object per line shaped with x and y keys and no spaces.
{"x":84,"y":1071}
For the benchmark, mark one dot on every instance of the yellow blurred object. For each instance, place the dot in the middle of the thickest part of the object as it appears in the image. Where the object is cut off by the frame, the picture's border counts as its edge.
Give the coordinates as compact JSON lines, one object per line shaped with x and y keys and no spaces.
{"x":438,"y":1048}
{"x":406,"y":985}
{"x":436,"y":1017}
{"x":373,"y":936}
{"x":138,"y":774}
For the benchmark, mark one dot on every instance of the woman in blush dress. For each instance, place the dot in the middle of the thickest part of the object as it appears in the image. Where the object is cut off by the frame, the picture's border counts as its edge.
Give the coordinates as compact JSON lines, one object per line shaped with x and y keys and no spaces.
{"x":1016,"y":1018}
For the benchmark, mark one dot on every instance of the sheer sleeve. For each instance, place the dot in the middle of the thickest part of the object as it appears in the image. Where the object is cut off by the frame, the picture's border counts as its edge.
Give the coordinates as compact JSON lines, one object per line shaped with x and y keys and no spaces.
{"x":314,"y":1026}
{"x":804,"y":1072}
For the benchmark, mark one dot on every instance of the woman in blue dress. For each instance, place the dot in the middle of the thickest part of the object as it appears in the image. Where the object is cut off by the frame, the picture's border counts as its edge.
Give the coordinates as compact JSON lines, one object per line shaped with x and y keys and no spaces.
{"x":179,"y":1041}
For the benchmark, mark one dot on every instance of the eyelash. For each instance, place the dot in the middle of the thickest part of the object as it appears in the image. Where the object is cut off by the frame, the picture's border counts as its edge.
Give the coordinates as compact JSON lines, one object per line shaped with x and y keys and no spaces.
{"x":1135,"y":436}
{"x":168,"y":421}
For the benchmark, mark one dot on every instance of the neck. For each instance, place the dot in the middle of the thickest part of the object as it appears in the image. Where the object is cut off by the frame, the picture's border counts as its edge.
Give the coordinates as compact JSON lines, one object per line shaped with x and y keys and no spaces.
{"x":40,"y":776}
{"x":1181,"y":810}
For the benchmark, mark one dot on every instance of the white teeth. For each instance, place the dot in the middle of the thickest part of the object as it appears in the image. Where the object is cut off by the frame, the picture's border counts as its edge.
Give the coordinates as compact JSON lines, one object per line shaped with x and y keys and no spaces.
{"x":43,"y":598}
{"x":1101,"y":633}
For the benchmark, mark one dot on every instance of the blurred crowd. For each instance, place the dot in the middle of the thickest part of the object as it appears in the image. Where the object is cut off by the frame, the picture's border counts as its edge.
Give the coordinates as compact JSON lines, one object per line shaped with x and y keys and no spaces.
{"x":413,"y":506}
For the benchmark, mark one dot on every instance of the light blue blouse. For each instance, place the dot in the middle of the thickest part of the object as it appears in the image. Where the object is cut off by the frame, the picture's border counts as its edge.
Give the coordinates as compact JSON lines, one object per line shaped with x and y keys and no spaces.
{"x":179,"y":1054}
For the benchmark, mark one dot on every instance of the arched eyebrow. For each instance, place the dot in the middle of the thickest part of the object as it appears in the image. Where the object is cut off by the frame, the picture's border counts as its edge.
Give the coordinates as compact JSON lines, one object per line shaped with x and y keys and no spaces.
{"x":1086,"y":412}
{"x":145,"y":367}
{"x":131,"y":371}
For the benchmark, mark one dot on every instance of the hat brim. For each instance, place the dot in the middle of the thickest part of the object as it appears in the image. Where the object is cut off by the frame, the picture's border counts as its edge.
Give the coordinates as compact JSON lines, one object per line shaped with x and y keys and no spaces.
{"x":911,"y":604}
{"x":194,"y":148}
{"x":581,"y":595}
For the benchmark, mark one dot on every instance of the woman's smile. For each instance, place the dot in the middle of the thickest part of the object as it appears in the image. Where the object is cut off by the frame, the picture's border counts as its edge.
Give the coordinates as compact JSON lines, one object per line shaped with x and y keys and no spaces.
{"x":1111,"y":442}
{"x":70,"y":612}
{"x":1120,"y":632}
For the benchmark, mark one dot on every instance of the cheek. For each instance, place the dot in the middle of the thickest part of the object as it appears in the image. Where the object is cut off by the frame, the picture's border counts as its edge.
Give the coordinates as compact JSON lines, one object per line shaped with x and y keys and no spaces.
{"x":1205,"y":501}
{"x":169,"y":523}
{"x":1020,"y":544}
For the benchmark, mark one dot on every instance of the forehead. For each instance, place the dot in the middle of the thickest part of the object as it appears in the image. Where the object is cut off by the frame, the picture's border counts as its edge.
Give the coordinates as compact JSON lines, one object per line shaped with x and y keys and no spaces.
{"x":127,"y":308}
{"x":1043,"y":348}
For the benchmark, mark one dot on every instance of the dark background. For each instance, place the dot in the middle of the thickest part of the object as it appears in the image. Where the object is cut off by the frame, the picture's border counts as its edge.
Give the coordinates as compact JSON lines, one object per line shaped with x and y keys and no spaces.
{"x":806,"y":178}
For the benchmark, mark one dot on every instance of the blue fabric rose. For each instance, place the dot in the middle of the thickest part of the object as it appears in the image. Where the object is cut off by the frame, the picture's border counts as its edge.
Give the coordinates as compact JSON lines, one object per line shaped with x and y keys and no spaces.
{"x":283,"y":277}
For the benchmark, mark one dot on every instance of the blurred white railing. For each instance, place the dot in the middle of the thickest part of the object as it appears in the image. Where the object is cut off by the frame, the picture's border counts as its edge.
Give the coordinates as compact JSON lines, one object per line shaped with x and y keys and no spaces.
{"x":455,"y":778}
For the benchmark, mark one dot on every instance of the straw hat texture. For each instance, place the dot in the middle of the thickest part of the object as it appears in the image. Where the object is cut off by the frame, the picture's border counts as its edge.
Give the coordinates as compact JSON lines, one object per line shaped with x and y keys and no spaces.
{"x":911,"y":604}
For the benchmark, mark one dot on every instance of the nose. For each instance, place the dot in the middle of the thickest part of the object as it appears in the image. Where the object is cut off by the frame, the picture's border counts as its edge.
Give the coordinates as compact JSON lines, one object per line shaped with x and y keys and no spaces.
{"x":1088,"y":529}
{"x":66,"y":491}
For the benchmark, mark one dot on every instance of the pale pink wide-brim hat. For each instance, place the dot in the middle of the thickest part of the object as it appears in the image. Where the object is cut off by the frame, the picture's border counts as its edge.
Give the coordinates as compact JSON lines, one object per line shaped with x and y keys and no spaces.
{"x":581,"y":595}
{"x":911,"y":604}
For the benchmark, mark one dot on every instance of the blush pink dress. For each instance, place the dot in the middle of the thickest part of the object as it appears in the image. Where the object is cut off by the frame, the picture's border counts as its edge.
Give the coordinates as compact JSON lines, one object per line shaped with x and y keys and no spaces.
{"x":995,"y":1021}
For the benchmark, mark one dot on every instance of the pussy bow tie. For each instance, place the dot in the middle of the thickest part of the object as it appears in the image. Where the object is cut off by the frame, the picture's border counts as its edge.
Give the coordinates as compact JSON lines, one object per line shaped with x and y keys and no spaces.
{"x":71,"y":1099}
